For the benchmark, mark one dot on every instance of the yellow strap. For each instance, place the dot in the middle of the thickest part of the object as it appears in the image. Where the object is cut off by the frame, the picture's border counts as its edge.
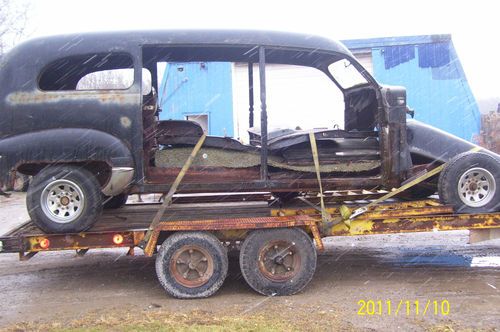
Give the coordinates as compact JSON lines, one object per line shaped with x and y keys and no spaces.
{"x":418,"y":180}
{"x":168,"y":199}
{"x":314,"y":148}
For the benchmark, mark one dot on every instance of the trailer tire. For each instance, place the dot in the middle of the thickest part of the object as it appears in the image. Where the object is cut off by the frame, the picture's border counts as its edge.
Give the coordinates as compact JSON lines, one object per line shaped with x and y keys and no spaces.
{"x":115,"y":202}
{"x":282,"y":275}
{"x":75,"y":190}
{"x":470,"y":183}
{"x":191,"y":265}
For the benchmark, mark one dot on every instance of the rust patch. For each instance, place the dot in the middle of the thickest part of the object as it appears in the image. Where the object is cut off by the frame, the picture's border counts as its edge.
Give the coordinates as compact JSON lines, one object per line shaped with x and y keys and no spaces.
{"x":419,"y":224}
{"x":233,"y":224}
{"x":102,"y":96}
{"x":125,"y":122}
{"x":78,"y":241}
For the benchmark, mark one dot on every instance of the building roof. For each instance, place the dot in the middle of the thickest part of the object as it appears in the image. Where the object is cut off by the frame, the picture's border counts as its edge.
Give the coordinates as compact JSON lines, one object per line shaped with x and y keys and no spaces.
{"x":359,"y":44}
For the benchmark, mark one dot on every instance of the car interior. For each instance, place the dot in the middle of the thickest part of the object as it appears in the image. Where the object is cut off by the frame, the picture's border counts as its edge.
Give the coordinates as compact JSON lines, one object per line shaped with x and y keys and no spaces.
{"x":354,"y":149}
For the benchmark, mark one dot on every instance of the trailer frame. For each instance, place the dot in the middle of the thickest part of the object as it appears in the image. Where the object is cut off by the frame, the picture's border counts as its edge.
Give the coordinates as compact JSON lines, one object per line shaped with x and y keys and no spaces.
{"x":392,"y":217}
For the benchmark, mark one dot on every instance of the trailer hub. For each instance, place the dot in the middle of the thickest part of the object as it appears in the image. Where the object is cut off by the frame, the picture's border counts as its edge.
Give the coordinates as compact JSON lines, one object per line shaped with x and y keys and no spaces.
{"x":279,"y":260}
{"x":191,"y":266}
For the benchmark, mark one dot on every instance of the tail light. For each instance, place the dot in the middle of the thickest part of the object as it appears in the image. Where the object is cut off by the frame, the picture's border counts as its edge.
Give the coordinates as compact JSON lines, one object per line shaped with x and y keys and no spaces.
{"x":117,"y":239}
{"x":44,"y":243}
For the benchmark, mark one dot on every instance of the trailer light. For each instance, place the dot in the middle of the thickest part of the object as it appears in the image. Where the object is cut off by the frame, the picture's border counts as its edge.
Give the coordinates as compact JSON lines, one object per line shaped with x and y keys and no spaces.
{"x":117,"y":239}
{"x":44,"y":243}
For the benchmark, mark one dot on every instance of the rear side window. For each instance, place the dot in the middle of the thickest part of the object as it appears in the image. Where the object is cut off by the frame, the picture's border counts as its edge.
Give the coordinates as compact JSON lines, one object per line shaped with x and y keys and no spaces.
{"x":75,"y":73}
{"x":114,"y":79}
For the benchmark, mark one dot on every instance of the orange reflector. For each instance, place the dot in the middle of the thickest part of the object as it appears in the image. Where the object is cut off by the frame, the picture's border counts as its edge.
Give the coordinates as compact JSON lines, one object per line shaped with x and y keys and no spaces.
{"x":44,"y":243}
{"x":117,"y":239}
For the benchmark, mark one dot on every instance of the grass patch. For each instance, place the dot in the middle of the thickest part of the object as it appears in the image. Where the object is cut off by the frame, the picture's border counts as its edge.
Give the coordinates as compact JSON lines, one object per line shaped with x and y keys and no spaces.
{"x":160,"y":320}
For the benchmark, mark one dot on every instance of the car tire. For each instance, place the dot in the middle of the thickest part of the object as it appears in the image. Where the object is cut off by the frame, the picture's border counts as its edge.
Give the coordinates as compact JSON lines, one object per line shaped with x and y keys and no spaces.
{"x":279,"y":261}
{"x":64,"y":199}
{"x":470,"y":182}
{"x":191,"y":265}
{"x":115,"y":202}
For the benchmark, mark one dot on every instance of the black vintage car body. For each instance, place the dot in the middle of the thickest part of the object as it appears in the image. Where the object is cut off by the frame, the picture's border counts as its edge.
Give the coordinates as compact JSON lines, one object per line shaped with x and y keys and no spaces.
{"x":109,"y":138}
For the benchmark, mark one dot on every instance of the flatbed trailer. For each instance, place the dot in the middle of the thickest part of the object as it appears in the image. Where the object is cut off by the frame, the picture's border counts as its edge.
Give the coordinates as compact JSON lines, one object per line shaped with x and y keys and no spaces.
{"x":278,"y":244}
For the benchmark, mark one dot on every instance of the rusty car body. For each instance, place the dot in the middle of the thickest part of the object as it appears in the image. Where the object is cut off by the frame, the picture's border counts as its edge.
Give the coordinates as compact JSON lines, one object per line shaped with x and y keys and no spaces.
{"x":113,"y":135}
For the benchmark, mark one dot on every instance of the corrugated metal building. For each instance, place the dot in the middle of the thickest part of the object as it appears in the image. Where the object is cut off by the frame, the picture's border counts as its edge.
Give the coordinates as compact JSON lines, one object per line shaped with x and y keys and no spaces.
{"x":429,"y":68}
{"x":188,"y":92}
{"x":216,"y":95}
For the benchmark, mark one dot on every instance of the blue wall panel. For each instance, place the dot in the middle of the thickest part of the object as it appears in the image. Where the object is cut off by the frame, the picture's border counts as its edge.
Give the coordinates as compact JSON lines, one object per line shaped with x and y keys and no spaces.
{"x":192,"y":88}
{"x":440,"y":96}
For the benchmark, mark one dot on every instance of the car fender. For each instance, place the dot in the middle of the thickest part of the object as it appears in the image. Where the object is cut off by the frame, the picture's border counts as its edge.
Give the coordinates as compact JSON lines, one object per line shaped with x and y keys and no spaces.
{"x":436,"y":144}
{"x":62,"y":145}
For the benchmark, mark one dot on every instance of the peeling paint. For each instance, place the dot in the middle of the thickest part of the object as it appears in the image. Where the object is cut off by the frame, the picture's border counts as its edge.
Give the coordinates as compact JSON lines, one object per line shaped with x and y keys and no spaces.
{"x":37,"y":97}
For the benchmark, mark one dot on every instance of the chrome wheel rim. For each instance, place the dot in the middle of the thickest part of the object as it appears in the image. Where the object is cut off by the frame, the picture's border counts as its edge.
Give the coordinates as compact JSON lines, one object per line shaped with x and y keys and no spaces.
{"x":476,"y":187}
{"x":62,"y":201}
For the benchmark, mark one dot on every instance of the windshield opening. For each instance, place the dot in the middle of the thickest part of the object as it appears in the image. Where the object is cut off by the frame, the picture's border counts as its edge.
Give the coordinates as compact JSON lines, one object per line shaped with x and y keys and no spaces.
{"x":346,"y":74}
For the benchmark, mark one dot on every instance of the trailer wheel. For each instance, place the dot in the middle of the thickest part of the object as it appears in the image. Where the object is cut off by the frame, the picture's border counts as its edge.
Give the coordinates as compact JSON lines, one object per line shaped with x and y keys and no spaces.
{"x":64,"y":199}
{"x":191,"y":265}
{"x":115,"y":202}
{"x":470,"y":183}
{"x":278,"y":261}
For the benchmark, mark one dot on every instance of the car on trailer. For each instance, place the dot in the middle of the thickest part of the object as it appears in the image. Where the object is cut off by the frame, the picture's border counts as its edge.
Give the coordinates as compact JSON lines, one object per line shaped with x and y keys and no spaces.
{"x":89,"y":145}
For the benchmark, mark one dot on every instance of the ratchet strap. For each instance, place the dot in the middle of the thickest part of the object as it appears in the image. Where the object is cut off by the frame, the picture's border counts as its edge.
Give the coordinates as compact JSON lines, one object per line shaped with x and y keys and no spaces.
{"x":168,"y":199}
{"x":407,"y":185}
{"x":325,"y":216}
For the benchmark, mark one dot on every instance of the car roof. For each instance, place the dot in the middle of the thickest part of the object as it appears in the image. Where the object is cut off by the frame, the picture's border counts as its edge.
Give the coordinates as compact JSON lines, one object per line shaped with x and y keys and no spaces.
{"x":109,"y":40}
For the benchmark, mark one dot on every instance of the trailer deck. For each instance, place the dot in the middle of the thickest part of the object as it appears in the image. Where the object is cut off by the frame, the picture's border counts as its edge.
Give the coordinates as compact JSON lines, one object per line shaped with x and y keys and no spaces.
{"x":127,"y":226}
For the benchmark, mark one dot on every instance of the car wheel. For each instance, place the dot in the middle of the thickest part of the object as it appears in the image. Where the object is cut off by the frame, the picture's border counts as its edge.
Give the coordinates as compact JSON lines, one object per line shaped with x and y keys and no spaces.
{"x":470,"y":183}
{"x":64,"y":199}
{"x":191,"y":265}
{"x":115,"y":202}
{"x":278,"y":261}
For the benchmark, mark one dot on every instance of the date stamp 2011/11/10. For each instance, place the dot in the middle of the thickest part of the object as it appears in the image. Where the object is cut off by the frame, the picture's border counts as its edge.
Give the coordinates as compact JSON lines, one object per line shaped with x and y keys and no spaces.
{"x":403,"y":307}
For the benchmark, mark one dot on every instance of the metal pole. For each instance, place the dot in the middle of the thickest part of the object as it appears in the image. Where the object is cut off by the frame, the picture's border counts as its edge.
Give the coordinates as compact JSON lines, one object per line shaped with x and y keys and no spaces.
{"x":263,"y":114}
{"x":250,"y":94}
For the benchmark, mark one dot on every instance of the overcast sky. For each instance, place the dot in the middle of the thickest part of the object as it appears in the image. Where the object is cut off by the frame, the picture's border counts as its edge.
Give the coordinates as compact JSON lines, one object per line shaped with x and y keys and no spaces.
{"x":474,"y":25}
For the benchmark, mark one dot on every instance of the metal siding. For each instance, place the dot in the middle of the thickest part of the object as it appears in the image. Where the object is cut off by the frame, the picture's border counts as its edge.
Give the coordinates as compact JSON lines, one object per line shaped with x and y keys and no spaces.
{"x":200,"y":88}
{"x":447,"y":104}
{"x":365,"y":59}
{"x":356,"y":44}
